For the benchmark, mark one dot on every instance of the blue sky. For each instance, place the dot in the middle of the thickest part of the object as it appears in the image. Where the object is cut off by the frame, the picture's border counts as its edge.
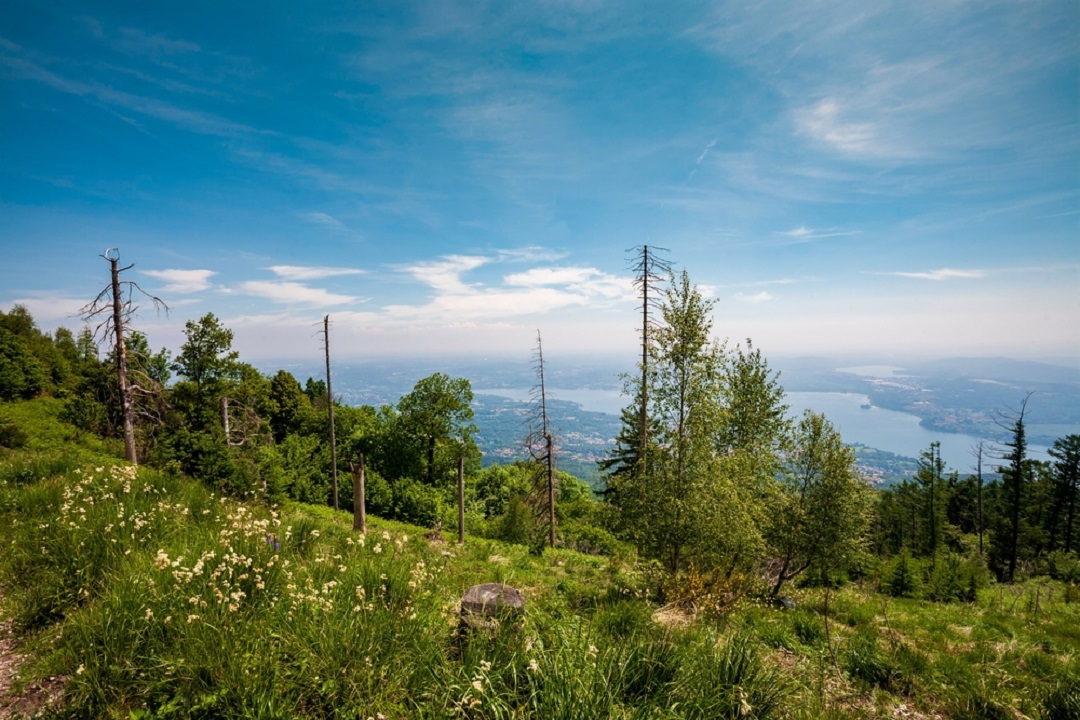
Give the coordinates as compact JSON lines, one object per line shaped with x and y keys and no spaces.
{"x":441,"y":178}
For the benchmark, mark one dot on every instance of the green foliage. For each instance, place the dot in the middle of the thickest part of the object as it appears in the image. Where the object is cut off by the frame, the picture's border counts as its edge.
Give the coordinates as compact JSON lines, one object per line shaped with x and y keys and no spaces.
{"x":416,"y":503}
{"x":865,"y":661}
{"x":201,"y":606}
{"x":86,"y":414}
{"x":438,"y":413}
{"x":21,"y":375}
{"x":957,"y":578}
{"x":378,"y":496}
{"x":729,"y":680}
{"x":1062,"y":699}
{"x":517,"y":523}
{"x":823,"y":512}
{"x":11,"y":435}
{"x":902,"y":576}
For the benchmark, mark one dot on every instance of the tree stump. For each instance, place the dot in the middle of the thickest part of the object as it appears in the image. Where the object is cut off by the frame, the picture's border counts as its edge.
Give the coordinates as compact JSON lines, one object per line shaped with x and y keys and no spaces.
{"x":490,"y":606}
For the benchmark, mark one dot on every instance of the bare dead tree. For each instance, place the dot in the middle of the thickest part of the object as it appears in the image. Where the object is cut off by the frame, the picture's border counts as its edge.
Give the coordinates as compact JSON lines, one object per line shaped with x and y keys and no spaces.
{"x":359,"y":499}
{"x":112,"y":311}
{"x":540,"y":443}
{"x":650,"y":268}
{"x":978,"y":451}
{"x":330,"y":409}
{"x":242,"y":424}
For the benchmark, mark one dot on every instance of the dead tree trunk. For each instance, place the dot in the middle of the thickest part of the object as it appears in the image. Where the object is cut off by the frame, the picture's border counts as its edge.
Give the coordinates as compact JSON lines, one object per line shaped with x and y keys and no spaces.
{"x":649,"y":268}
{"x":461,"y":499}
{"x":113,"y":313}
{"x":330,"y":409}
{"x":541,"y":444}
{"x":126,"y":403}
{"x":359,"y":501}
{"x":979,"y":481}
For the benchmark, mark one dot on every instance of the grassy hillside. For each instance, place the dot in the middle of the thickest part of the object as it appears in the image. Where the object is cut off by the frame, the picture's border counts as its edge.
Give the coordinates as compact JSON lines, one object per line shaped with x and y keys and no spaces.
{"x":155,"y":598}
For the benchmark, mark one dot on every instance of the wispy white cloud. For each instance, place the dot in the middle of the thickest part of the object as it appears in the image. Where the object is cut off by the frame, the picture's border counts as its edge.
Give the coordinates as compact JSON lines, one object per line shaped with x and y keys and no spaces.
{"x":192,"y":120}
{"x":942,"y":274}
{"x":825,"y":123}
{"x":704,"y":154}
{"x":755,"y":299}
{"x":583,"y":279}
{"x":182,"y":281}
{"x":533,"y":253}
{"x":536,"y":291}
{"x":325,"y":220}
{"x":764,"y":283}
{"x":294,"y":292}
{"x":304,"y":272}
{"x":444,"y":275}
{"x":805,"y":234}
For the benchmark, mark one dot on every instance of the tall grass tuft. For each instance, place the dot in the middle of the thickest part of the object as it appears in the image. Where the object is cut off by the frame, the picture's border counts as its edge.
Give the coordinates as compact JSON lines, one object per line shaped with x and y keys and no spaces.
{"x":728,"y":680}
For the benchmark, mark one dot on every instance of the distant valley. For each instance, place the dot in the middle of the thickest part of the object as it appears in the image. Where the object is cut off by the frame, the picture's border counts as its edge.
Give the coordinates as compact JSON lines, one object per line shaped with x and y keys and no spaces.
{"x":887,"y":412}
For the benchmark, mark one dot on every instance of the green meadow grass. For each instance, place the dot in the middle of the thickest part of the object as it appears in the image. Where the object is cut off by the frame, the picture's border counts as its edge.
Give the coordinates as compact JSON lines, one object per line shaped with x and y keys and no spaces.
{"x":156,"y":598}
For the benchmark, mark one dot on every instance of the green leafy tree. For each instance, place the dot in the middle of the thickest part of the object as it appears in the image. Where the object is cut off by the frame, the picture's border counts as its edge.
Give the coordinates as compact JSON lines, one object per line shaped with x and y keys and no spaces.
{"x":208,"y":365}
{"x":21,"y":375}
{"x":438,"y":414}
{"x":822,"y":520}
{"x":288,"y":403}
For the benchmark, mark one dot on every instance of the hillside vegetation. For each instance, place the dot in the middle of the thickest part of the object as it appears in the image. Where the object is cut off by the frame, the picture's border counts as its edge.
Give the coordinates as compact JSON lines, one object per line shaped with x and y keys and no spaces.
{"x":154,"y":597}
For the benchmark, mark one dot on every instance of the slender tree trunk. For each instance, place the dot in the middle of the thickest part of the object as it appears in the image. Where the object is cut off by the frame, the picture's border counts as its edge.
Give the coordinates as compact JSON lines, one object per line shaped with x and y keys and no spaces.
{"x":126,"y":401}
{"x":979,"y":480}
{"x":550,"y":489}
{"x":781,"y":578}
{"x":359,"y":501}
{"x":330,"y":410}
{"x":461,"y":499}
{"x":643,"y":412}
{"x":1070,"y":514}
{"x":430,"y":472}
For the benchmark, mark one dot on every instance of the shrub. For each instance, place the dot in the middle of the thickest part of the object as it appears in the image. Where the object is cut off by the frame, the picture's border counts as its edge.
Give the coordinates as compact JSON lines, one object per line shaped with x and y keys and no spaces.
{"x":901,"y":578}
{"x":11,"y":435}
{"x":416,"y":503}
{"x":1064,"y":566}
{"x":956,"y":578}
{"x":590,"y":539}
{"x":516,"y":525}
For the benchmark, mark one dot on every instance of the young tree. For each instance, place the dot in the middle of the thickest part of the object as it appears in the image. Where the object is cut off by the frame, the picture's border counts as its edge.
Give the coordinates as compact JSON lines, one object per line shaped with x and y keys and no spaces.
{"x":929,"y":478}
{"x":209,"y":366}
{"x":1066,"y":468}
{"x":825,"y":508}
{"x":1014,"y":479}
{"x":686,"y":402}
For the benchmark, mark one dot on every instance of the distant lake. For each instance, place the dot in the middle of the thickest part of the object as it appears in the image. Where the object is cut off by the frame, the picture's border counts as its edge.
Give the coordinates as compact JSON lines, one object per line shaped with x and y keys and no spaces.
{"x":893,"y":431}
{"x":889,"y":430}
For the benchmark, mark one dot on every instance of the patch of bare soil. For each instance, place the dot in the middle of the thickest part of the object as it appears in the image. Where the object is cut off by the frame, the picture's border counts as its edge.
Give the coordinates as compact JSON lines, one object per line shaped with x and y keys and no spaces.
{"x":32,"y":699}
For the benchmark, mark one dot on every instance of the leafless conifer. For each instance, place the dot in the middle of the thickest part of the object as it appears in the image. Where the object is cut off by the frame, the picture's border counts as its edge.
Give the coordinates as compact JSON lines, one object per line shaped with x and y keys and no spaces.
{"x":540,"y":443}
{"x":112,"y":311}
